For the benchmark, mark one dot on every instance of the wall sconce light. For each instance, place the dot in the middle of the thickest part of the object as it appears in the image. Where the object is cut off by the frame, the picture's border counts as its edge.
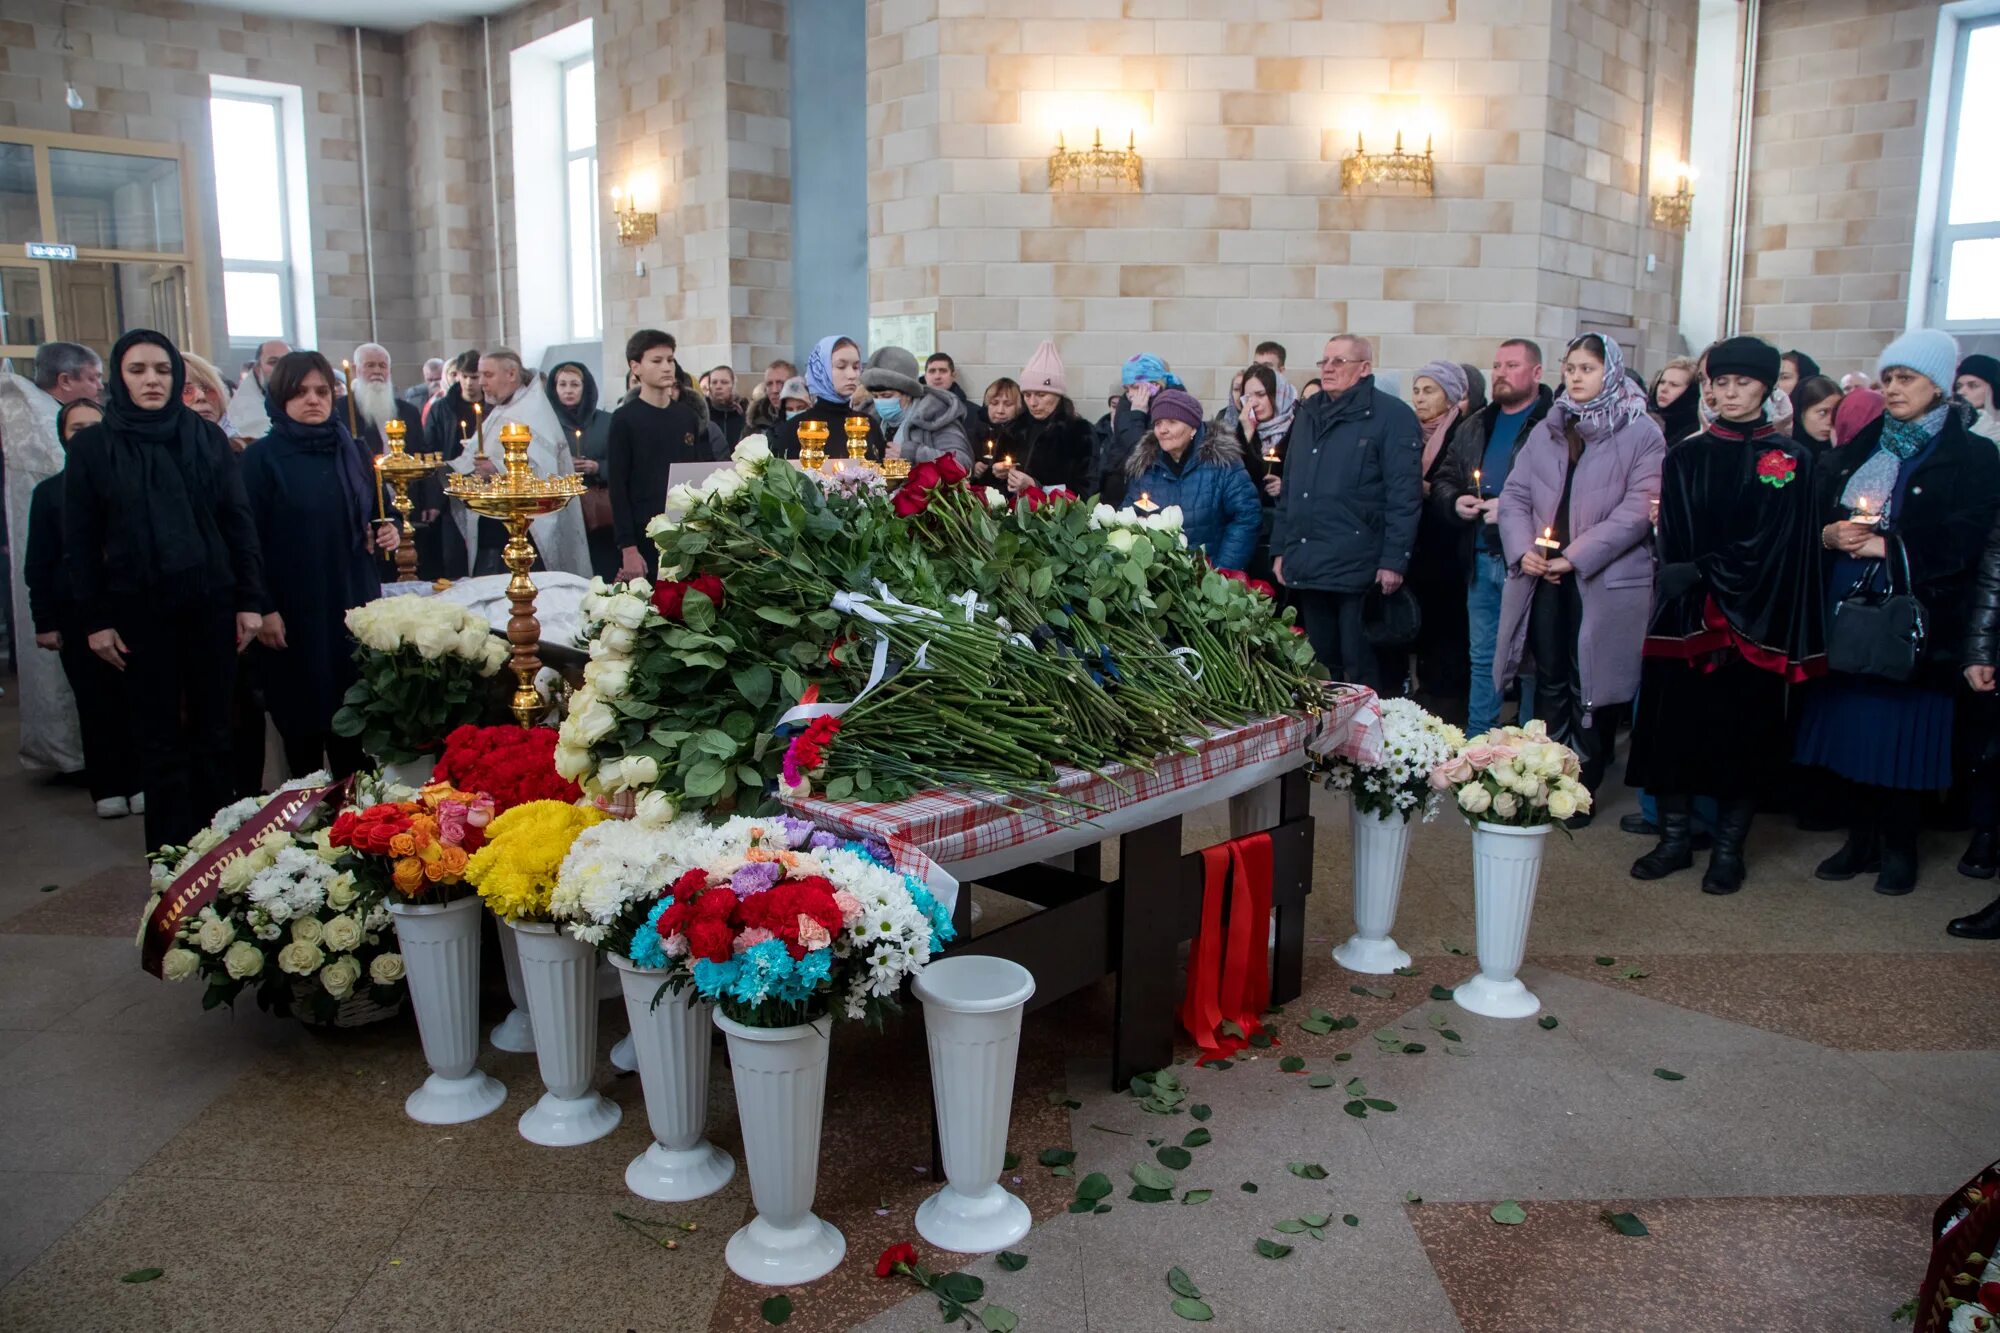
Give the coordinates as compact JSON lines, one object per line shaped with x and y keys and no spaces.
{"x":1674,"y":211}
{"x":634,"y":227}
{"x":1362,"y":167}
{"x":1075,"y":166}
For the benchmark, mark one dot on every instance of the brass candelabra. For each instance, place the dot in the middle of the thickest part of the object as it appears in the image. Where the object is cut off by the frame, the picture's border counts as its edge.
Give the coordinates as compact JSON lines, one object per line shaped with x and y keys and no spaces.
{"x":400,"y":468}
{"x":812,"y":449}
{"x":812,"y":445}
{"x":517,"y":497}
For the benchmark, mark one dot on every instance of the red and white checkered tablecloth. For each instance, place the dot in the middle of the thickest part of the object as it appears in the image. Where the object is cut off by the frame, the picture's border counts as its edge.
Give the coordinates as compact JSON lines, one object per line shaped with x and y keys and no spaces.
{"x":948,"y":827}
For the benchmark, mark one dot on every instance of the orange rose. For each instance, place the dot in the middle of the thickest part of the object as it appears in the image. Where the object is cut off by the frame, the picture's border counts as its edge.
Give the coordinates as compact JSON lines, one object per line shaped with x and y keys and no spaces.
{"x":403,"y":844}
{"x":433,"y":870}
{"x":454,"y":859}
{"x":408,"y":874}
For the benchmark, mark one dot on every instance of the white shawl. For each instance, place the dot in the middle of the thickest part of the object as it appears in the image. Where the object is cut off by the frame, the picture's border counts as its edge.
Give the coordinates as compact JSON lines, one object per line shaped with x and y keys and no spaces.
{"x":559,"y":537}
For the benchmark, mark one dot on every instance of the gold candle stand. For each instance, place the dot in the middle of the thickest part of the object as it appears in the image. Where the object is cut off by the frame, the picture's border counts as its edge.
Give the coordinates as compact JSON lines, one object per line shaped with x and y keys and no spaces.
{"x":812,"y":445}
{"x":517,"y":497}
{"x":400,"y":468}
{"x":857,"y":438}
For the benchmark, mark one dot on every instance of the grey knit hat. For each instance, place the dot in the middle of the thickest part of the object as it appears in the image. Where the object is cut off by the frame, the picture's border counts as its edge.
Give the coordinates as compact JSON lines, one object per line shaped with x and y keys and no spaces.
{"x":893,"y":368}
{"x":1450,"y":377}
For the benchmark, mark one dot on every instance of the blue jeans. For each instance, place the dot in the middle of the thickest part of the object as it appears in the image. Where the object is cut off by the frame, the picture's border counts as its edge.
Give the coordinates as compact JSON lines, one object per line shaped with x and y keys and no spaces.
{"x":1703,"y":815}
{"x":1482,"y":614}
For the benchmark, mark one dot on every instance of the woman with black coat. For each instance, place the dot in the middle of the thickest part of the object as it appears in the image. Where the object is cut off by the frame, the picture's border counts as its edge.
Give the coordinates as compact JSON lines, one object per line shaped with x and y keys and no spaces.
{"x":309,"y":490}
{"x":1915,"y":491}
{"x":168,"y":576}
{"x":1263,"y":432}
{"x":833,"y":374}
{"x":1049,"y":444}
{"x":572,"y":392}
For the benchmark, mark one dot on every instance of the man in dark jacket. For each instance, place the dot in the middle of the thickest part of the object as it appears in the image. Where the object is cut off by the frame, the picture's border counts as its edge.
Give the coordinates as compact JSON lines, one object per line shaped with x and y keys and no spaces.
{"x":723,"y":409}
{"x":1346,"y":517}
{"x":1467,"y":491}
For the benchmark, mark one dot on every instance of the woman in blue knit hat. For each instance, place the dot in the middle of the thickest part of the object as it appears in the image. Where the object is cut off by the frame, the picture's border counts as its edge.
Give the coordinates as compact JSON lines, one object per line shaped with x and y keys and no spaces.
{"x":1906,"y":505}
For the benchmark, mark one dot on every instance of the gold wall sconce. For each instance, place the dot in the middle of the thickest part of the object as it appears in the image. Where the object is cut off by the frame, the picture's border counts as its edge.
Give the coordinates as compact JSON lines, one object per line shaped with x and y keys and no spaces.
{"x":1079,"y":166}
{"x":1674,"y":211}
{"x":1396,"y":167}
{"x":635,"y":226}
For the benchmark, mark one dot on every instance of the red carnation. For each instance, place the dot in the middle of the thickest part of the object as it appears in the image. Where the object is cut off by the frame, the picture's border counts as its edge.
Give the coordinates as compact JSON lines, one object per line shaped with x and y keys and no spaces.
{"x":713,"y":940}
{"x":904,"y":1254}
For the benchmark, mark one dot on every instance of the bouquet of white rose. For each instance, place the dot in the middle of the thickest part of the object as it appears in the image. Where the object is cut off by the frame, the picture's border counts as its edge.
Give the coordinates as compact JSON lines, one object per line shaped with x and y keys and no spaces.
{"x":1414,"y":745}
{"x":422,"y":664}
{"x":287,"y":918}
{"x":1515,"y":776}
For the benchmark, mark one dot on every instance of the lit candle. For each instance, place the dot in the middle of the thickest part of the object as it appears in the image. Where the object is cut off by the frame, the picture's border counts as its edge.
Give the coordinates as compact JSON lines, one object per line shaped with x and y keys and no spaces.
{"x":1475,"y":481}
{"x":1861,"y":513}
{"x":1547,"y":541}
{"x":1144,"y":504}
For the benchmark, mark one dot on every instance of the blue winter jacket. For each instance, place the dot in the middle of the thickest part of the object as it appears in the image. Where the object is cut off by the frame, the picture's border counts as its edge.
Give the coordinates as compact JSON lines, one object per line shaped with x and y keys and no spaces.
{"x":1220,"y":512}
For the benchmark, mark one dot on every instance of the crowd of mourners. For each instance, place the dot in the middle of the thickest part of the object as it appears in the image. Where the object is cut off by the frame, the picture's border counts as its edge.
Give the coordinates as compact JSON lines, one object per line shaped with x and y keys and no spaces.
{"x":1786,"y":587}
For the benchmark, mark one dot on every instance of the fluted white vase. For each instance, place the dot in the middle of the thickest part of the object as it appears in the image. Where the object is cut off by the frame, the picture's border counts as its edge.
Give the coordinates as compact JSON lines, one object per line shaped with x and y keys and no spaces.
{"x":1506,"y":866}
{"x":515,"y":1032}
{"x":440,"y":948}
{"x":411,"y":772}
{"x":972,"y":1018}
{"x":670,"y":1040}
{"x":560,"y":976}
{"x":780,"y":1076}
{"x":1381,"y":847}
{"x":624,"y":1058}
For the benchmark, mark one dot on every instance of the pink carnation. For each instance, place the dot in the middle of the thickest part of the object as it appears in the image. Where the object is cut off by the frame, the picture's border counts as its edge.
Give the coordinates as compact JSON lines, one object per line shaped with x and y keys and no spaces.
{"x":752,"y":935}
{"x":812,"y":935}
{"x":849,"y":905}
{"x":675,"y":945}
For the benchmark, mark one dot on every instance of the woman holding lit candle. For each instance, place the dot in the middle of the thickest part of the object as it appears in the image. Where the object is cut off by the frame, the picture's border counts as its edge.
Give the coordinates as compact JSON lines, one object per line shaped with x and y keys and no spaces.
{"x":1050,"y":444}
{"x":1263,"y":433}
{"x":1575,"y":526}
{"x":572,"y":391}
{"x":1199,"y":468}
{"x":1915,"y":490}
{"x":1737,"y":618}
{"x":309,"y":484}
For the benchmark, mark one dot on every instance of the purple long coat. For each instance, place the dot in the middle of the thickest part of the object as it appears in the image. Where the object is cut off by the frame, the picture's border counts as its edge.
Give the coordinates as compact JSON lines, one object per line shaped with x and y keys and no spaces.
{"x":1610,"y":527}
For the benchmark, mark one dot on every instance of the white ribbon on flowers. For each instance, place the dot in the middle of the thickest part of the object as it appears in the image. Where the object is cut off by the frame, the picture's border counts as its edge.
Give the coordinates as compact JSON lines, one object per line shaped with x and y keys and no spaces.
{"x":1181,"y":655}
{"x":969,"y":600}
{"x":862,"y":607}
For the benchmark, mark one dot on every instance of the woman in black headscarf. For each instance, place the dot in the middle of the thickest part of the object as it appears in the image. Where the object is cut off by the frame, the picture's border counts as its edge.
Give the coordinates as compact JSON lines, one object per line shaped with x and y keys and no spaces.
{"x":308,"y":487}
{"x":573,"y":393}
{"x":1675,"y":399}
{"x":168,"y":576}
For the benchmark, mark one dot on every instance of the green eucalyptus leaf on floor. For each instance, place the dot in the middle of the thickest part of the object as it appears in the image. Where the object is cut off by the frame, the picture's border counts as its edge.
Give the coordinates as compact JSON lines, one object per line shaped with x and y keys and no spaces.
{"x":1182,"y":1284}
{"x":1102,"y":1208}
{"x":1346,"y":1021}
{"x":1197,"y":1138}
{"x":1187,"y":1307}
{"x":1315,"y":1219}
{"x":1411,"y":1196}
{"x":1094,"y":1186}
{"x":1057,"y":1156}
{"x":1437,"y":1021}
{"x":1261,"y":1040}
{"x":1011,"y":1261}
{"x":1306,"y":1170}
{"x":1292,"y":1064}
{"x":1010,"y":1161}
{"x":1669,"y":1075}
{"x":1270,"y":1249}
{"x":1377,"y":1104}
{"x":1626,"y":1224}
{"x":1248,"y":1187}
{"x":1197,"y":1196}
{"x":1458,"y":1050}
{"x":1605,"y":961}
{"x":1508,"y":1213}
{"x":1356,"y":1109}
{"x":1409,"y":971}
{"x":1355,"y":1088}
{"x":1320,"y":1081}
{"x":1343,"y":1057}
{"x":1547,"y":1023}
{"x":1318,"y":1027}
{"x":1147,"y":1194}
{"x":1083,"y":1206}
{"x":1063,"y":1171}
{"x":1200,"y":1111}
{"x":1145,"y":1173}
{"x":49,"y":888}
{"x":1219,"y":1064}
{"x":1349,"y":1219}
{"x":1174,"y":1159}
{"x":776,"y":1309}
{"x":1632,"y":973}
{"x":1440,"y":992}
{"x":143,"y":1275}
{"x":998,"y":1319}
{"x":1454,"y":950}
{"x":1414,"y":1048}
{"x":1229,"y":1028}
{"x":1291,"y":1226}
{"x":1375,"y":992}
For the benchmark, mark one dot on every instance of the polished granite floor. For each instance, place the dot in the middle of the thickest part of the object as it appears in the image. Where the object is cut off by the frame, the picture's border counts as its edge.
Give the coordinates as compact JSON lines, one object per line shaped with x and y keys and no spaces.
{"x":1840,"y":1058}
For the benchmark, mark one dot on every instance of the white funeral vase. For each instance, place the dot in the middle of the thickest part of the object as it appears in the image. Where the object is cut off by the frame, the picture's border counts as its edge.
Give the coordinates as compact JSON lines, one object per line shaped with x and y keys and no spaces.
{"x":1506,"y":865}
{"x":440,"y":947}
{"x":515,"y":1032}
{"x":972,"y":1018}
{"x":1381,"y":847}
{"x":560,"y":976}
{"x":411,"y":772}
{"x":623,"y":1058}
{"x":670,"y":1041}
{"x":780,"y":1076}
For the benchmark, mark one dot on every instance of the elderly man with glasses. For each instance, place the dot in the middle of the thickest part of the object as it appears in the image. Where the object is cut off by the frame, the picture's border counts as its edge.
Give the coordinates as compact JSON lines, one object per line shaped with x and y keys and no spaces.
{"x":1347,"y":511}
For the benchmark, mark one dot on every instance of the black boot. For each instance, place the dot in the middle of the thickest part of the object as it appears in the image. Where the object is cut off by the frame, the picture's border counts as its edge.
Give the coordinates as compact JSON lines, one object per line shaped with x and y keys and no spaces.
{"x":1674,"y":851}
{"x":1725,"y":863}
{"x":1982,"y":855}
{"x":1861,"y":854}
{"x":1899,"y":863}
{"x":1636,"y":822}
{"x":1981,"y":925}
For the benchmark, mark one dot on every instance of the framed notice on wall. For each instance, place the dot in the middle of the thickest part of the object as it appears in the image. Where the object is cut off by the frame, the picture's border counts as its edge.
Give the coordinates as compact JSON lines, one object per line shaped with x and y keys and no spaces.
{"x":915,"y":334}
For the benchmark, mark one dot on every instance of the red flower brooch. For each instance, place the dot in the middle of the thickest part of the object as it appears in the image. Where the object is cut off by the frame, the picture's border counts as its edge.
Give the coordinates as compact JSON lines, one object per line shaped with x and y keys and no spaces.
{"x":1775,"y":467}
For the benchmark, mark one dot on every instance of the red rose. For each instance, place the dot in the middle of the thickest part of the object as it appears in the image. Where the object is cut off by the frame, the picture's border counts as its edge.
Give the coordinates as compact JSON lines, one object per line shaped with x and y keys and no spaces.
{"x":1775,"y":467}
{"x":1034,"y":497}
{"x":902,"y":1253}
{"x":667,"y":597}
{"x":1235,"y":576}
{"x":709,"y":586}
{"x":1259,"y":585}
{"x":950,"y":470}
{"x":713,"y":940}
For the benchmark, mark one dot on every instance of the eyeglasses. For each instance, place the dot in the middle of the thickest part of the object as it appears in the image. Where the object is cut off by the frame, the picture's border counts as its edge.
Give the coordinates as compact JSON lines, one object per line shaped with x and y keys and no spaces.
{"x":1330,"y":362}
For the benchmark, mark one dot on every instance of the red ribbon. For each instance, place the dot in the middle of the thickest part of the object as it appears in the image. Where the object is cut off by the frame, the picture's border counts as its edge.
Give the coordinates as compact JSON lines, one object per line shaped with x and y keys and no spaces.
{"x":1229,"y":978}
{"x":195,"y":888}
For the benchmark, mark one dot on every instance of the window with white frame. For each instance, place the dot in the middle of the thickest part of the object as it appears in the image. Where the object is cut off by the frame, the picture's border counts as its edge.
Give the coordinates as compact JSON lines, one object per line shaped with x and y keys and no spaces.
{"x":579,"y":143}
{"x":256,"y":249}
{"x":1965,"y":291}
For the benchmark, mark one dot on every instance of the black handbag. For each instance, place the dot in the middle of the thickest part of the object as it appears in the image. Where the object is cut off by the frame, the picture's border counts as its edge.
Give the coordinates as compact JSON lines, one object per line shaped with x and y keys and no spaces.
{"x":1878,"y":632}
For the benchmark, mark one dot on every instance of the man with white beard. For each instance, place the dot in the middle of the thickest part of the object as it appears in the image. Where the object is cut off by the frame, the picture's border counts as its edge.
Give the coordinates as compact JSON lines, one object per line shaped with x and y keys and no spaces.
{"x":513,"y":394}
{"x":247,"y":416}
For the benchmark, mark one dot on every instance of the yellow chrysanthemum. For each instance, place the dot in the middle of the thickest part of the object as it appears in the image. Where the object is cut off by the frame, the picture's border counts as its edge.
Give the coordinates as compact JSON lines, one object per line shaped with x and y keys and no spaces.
{"x":515,"y":872}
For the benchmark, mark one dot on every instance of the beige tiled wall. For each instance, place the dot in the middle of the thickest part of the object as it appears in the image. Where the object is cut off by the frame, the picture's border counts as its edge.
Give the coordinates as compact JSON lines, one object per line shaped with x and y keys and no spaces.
{"x":1242,"y":230}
